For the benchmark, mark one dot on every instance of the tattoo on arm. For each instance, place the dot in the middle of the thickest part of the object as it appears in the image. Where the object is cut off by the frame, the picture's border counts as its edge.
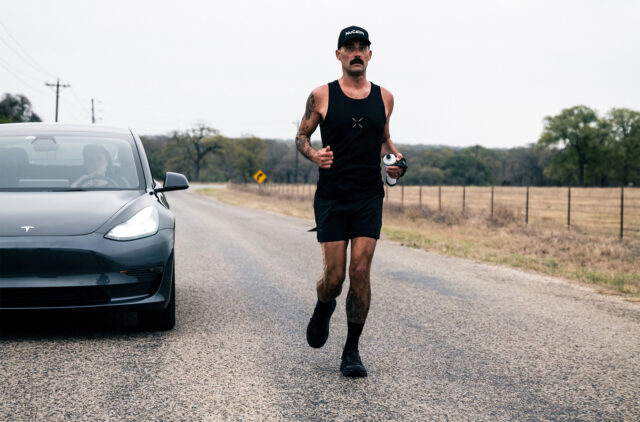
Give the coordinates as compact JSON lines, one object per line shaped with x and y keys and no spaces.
{"x":303,"y":143}
{"x":303,"y":137}
{"x":311,"y":106}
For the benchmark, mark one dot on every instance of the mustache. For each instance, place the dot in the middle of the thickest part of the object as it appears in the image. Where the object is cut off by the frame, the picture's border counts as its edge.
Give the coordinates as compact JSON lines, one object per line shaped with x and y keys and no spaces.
{"x":356,"y":60}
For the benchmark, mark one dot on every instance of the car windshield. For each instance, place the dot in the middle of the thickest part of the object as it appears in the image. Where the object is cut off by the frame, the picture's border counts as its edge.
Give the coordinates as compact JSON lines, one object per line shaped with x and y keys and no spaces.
{"x":68,"y":162}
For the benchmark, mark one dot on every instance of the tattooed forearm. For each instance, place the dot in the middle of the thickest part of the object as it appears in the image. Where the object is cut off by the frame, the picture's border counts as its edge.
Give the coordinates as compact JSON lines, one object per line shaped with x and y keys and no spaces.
{"x":310,"y":121}
{"x":303,"y":143}
{"x":311,"y":106}
{"x":358,"y":305}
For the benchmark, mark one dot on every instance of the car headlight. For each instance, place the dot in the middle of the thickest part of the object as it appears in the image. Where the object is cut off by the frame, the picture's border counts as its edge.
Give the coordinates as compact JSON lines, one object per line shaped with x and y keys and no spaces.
{"x":143,"y":224}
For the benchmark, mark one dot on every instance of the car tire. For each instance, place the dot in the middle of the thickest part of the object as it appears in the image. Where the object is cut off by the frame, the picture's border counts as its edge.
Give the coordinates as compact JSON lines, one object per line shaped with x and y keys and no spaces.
{"x":164,"y":319}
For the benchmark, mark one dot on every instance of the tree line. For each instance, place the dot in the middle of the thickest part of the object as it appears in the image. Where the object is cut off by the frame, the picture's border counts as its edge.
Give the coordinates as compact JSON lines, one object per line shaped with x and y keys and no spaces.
{"x":577,"y":147}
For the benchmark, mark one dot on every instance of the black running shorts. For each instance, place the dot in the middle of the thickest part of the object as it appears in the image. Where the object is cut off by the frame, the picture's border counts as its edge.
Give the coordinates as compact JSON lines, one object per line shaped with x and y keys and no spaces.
{"x":344,"y":220}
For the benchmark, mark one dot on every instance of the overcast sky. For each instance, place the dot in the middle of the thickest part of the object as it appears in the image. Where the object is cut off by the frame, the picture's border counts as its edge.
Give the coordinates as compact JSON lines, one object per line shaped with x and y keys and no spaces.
{"x":462,"y":72}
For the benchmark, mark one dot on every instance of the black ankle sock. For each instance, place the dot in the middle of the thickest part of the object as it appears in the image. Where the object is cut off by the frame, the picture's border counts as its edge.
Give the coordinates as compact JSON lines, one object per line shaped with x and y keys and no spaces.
{"x":323,"y":307}
{"x":353,"y":335}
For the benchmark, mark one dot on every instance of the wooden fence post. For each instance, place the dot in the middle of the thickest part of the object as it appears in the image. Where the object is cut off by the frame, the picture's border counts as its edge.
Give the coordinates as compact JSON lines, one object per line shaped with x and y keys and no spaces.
{"x":492,"y":202}
{"x":420,"y":198}
{"x":464,"y":194}
{"x":526,"y":213}
{"x":439,"y":198}
{"x":621,"y":212}
{"x":569,"y":209}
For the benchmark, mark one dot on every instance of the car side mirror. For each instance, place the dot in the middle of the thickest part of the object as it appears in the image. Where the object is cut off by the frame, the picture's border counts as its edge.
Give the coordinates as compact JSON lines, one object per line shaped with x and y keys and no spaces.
{"x":173,"y":181}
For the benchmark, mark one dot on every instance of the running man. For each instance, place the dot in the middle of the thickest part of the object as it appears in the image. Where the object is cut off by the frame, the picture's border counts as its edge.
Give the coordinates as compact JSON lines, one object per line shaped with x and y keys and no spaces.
{"x":353,"y":115}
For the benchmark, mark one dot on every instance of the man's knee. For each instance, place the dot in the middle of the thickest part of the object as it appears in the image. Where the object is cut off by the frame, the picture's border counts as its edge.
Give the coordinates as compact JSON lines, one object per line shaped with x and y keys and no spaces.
{"x":359,"y":274}
{"x":332,"y":280}
{"x":334,"y":276}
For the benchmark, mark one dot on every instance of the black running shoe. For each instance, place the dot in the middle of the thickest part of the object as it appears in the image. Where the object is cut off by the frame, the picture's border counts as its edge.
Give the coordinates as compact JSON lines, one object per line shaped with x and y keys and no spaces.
{"x":318,"y":328}
{"x":351,"y":365}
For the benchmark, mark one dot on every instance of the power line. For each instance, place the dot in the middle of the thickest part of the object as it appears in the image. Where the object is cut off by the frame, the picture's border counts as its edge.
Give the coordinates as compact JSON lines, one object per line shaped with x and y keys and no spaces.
{"x":78,"y":98}
{"x":20,"y":71}
{"x":68,"y":113}
{"x":19,"y":78}
{"x":78,"y":115}
{"x":81,"y":112}
{"x":114,"y":108}
{"x":29,"y":59}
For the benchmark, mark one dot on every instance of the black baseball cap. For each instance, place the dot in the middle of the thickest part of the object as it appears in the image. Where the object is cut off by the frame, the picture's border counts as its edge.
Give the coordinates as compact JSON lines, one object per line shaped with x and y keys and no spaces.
{"x":352,"y":32}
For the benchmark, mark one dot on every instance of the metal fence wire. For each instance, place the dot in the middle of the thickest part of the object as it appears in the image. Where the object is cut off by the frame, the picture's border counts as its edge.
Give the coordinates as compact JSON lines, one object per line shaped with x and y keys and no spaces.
{"x":601,"y":211}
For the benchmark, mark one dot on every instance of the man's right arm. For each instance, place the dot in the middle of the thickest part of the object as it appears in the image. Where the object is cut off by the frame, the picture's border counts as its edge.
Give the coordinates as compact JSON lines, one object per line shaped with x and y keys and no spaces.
{"x":312,"y":117}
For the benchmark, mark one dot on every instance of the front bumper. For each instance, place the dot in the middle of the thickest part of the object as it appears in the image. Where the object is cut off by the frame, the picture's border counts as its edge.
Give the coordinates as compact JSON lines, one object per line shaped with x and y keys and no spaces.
{"x":89,"y":271}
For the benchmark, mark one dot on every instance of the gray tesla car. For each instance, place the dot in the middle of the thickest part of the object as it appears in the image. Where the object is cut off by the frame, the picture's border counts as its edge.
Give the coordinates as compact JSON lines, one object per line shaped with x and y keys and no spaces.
{"x":83,"y":224}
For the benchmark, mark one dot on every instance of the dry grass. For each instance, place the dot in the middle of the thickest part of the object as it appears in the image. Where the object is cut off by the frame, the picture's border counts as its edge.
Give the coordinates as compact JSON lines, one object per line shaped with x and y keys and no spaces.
{"x":596,"y":210}
{"x":593,"y":210}
{"x":607,"y":262}
{"x":293,"y":206}
{"x":603,"y":261}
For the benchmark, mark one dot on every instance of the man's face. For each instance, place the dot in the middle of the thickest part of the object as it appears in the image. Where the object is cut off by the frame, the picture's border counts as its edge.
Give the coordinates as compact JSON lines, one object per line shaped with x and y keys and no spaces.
{"x":96,"y":163}
{"x":354,"y":56}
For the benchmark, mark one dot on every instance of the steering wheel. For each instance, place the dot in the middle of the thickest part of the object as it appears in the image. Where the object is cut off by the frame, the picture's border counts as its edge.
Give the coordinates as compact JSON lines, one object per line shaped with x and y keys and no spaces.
{"x":84,"y":181}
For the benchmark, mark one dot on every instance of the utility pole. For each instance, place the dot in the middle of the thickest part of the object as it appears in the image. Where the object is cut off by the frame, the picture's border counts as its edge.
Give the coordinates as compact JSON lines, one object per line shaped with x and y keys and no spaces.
{"x":58,"y":86}
{"x":93,"y":113}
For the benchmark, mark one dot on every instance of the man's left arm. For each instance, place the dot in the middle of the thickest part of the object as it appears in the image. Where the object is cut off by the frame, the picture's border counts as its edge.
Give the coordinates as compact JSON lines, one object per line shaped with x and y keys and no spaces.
{"x":387,"y":143}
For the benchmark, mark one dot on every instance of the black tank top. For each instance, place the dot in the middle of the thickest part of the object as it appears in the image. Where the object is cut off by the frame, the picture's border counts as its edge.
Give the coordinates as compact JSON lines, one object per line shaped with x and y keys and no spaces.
{"x":354,"y":129}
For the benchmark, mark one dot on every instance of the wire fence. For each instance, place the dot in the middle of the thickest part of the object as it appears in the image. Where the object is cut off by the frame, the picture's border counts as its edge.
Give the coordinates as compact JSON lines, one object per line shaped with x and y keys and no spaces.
{"x":600,"y":211}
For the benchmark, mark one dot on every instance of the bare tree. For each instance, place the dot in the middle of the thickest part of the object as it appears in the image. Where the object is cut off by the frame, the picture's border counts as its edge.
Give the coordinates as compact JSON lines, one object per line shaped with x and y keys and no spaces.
{"x":191,"y":148}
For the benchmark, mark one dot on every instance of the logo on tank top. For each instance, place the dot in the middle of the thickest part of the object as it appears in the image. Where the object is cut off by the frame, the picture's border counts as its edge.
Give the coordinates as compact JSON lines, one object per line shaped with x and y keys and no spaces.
{"x":357,"y":122}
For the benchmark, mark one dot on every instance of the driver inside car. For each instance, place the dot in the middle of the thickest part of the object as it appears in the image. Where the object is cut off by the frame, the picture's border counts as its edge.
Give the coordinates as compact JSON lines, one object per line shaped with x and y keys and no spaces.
{"x":99,"y":168}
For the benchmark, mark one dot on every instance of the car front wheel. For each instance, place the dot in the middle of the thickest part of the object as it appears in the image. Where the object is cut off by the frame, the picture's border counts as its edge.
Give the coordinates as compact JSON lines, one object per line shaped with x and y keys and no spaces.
{"x":164,"y":319}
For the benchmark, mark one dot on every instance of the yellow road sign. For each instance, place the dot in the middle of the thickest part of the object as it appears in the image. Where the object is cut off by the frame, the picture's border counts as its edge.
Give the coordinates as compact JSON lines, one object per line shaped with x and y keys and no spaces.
{"x":260,"y":176}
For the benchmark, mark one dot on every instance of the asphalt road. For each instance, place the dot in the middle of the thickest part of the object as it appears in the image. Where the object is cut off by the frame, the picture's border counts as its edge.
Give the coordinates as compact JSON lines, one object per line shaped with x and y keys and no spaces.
{"x":446,"y":339}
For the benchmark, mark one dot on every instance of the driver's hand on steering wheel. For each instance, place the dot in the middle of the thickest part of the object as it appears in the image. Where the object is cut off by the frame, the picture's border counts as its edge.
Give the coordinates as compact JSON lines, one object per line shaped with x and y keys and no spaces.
{"x":94,"y":180}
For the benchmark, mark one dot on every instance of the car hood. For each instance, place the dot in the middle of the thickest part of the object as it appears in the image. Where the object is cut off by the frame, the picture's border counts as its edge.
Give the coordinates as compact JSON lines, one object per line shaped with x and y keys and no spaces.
{"x":59,"y":213}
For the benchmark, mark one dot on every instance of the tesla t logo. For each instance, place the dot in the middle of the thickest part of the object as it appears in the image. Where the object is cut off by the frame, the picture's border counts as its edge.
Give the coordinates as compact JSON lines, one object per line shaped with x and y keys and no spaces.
{"x":27,"y":228}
